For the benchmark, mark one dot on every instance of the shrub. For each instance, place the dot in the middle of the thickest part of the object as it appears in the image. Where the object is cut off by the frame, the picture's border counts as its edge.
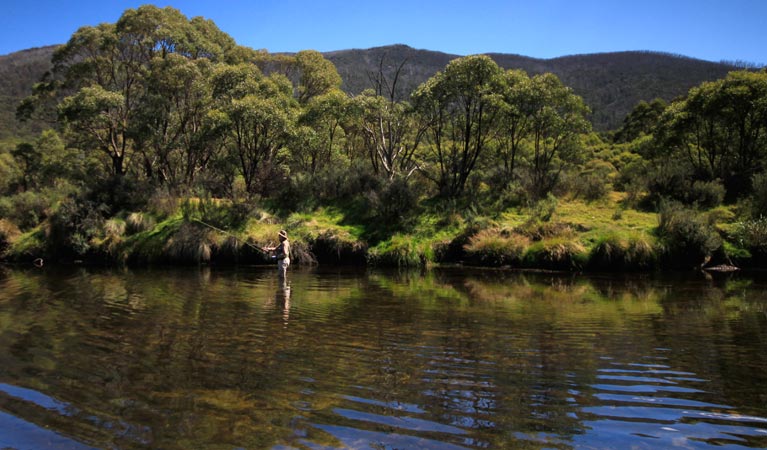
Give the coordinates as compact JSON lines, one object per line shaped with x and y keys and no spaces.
{"x":26,"y":209}
{"x":544,"y":209}
{"x":590,"y":187}
{"x":759,"y":195}
{"x":493,"y":247}
{"x":668,"y":180}
{"x":688,"y":238}
{"x":162,"y":204}
{"x":74,"y":224}
{"x":706,"y":194}
{"x":220,"y":214}
{"x":394,"y":203}
{"x":752,"y":236}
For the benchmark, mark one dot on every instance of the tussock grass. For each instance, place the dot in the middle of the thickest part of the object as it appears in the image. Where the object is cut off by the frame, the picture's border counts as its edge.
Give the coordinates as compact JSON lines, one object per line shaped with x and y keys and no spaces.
{"x":557,"y":254}
{"x":27,"y":245}
{"x":402,"y":251}
{"x":615,"y":251}
{"x":496,"y":247}
{"x":8,"y":232}
{"x":136,"y":222}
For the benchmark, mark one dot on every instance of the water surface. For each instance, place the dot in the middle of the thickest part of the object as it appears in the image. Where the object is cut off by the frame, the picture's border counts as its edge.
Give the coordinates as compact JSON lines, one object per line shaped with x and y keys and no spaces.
{"x":225,"y":359}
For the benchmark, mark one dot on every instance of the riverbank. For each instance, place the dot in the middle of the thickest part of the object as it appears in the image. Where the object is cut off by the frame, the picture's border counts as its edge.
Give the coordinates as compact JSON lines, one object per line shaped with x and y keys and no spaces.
{"x":564,"y":234}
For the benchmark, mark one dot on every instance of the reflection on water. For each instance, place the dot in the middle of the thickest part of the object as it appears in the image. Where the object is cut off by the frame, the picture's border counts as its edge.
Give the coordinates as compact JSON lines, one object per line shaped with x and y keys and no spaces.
{"x":179,"y":359}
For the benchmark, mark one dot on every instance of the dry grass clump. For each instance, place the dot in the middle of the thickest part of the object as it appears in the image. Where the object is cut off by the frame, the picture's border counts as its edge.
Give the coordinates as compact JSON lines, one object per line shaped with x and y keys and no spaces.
{"x":190,"y":244}
{"x":138,"y":222}
{"x":495,"y":247}
{"x":8,"y":232}
{"x":556,"y":254}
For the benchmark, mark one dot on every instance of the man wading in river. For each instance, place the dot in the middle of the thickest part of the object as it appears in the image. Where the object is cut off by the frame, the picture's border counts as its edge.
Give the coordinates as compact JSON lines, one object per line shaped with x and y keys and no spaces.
{"x":281,"y":253}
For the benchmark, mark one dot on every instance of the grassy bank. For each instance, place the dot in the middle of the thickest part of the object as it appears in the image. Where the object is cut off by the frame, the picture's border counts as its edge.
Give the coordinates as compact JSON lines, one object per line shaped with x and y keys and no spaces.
{"x":569,"y":234}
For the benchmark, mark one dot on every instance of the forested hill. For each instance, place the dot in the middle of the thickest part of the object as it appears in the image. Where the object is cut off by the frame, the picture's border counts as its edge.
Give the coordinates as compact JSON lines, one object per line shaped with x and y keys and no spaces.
{"x":18,"y":72}
{"x":610,"y":83}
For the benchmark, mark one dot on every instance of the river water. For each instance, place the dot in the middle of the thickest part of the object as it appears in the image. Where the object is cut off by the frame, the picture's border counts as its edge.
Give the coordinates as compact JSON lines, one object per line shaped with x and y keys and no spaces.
{"x":215,"y":358}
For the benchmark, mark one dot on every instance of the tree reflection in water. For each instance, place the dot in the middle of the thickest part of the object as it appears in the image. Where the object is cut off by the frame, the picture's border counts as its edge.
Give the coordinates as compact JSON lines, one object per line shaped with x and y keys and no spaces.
{"x":237,"y":358}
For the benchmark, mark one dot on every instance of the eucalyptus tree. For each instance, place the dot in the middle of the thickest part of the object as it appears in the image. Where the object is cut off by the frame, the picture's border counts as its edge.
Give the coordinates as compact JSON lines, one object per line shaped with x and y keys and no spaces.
{"x":720,"y":129}
{"x":317,"y":75}
{"x":170,"y":129}
{"x":258,"y":115}
{"x":460,"y":108}
{"x":515,"y":120}
{"x":390,"y":132}
{"x":101,"y":75}
{"x":557,"y":118}
{"x":320,"y":130}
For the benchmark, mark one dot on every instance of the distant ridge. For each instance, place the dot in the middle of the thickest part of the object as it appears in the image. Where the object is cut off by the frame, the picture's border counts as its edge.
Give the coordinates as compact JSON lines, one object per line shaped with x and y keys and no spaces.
{"x":610,"y":83}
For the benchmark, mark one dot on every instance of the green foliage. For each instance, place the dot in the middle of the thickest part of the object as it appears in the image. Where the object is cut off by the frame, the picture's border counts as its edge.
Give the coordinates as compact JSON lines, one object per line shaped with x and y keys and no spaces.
{"x":543,"y":210}
{"x":706,"y":194}
{"x":641,"y":121}
{"x":158,"y":107}
{"x":689,"y":239}
{"x":74,"y":225}
{"x":752,"y":236}
{"x":759,"y":194}
{"x":616,"y":252}
{"x":220,"y":214}
{"x":716,"y":129}
{"x":26,"y":209}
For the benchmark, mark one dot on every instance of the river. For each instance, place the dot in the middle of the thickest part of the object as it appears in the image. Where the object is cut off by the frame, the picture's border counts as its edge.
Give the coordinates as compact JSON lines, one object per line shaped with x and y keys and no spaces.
{"x":225,"y":358}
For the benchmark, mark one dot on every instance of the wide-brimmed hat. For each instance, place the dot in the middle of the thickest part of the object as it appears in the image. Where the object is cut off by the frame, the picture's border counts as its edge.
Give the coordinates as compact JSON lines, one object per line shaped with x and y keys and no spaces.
{"x":283,"y":234}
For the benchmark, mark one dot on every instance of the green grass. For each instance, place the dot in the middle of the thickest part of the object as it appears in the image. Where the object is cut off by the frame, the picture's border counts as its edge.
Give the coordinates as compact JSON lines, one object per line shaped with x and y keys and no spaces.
{"x":597,"y":235}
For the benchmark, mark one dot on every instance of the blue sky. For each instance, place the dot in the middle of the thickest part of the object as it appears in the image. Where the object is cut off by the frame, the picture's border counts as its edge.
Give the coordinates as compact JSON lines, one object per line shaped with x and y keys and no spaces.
{"x":706,"y":29}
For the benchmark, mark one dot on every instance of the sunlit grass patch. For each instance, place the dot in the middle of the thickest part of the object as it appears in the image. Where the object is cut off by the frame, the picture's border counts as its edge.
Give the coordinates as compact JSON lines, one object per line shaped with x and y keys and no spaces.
{"x":496,"y":247}
{"x":558,"y":253}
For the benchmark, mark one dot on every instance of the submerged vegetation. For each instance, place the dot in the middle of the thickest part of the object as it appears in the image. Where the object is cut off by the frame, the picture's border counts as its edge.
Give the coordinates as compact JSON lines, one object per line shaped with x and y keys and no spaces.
{"x":172,"y":144}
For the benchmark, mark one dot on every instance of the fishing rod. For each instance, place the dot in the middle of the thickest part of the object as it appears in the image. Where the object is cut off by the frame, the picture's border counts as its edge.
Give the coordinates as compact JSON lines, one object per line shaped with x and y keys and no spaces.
{"x":232,"y":235}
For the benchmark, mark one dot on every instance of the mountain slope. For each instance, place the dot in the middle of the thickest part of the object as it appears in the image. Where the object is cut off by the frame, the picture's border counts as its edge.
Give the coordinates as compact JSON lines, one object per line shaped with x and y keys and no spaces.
{"x":18,"y":72}
{"x":610,"y":83}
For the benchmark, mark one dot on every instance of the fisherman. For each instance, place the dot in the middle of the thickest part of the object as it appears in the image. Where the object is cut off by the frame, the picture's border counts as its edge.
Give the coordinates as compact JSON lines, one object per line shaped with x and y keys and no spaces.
{"x":281,"y":253}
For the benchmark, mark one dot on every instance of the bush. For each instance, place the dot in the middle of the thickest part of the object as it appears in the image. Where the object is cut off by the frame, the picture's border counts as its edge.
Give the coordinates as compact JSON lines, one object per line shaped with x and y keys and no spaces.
{"x":752,"y":236}
{"x":668,"y":180}
{"x":393,"y":204}
{"x":26,"y":209}
{"x":544,"y":209}
{"x":73,"y":226}
{"x":590,"y":187}
{"x":759,"y":195}
{"x":689,"y":239}
{"x":220,"y":214}
{"x":162,"y":204}
{"x":706,"y":194}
